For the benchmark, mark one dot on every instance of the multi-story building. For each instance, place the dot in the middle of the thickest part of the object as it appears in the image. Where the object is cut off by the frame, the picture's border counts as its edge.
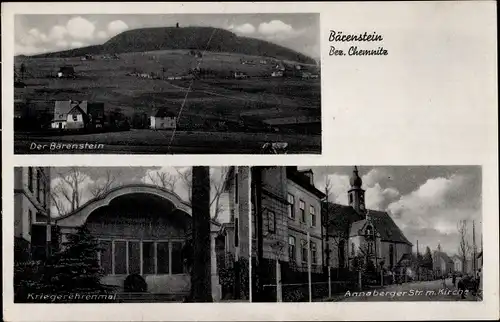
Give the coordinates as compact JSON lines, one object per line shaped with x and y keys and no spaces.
{"x":304,"y":219}
{"x":32,"y":224}
{"x":286,"y":215}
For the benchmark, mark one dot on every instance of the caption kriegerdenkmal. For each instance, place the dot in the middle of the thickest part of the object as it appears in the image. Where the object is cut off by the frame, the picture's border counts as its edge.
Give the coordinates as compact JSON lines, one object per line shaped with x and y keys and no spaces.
{"x":343,"y":40}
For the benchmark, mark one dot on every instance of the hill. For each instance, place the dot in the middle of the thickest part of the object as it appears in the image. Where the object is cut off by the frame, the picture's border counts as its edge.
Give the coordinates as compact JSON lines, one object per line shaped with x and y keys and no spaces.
{"x":195,"y":38}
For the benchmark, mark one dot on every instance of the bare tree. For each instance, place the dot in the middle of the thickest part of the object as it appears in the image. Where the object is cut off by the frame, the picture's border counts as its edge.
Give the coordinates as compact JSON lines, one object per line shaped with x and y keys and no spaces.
{"x":217,"y":184}
{"x":69,"y":189}
{"x":164,"y":180}
{"x":99,"y":189}
{"x":464,"y":246}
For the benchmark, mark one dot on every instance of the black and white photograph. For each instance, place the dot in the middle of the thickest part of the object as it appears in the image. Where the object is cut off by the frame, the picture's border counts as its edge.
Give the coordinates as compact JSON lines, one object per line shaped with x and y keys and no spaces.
{"x":167,"y":84}
{"x":384,"y":233}
{"x":131,"y":235}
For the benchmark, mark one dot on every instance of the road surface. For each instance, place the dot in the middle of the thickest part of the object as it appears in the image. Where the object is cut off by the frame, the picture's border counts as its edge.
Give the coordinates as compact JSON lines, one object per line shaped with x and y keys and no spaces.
{"x":409,"y":292}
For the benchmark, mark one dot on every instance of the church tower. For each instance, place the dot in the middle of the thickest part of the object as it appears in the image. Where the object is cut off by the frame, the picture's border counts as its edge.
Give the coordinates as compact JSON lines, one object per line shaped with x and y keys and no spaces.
{"x":356,"y":194}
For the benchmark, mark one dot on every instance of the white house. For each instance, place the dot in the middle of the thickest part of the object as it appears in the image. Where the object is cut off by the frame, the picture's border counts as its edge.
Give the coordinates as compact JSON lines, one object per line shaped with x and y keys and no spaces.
{"x":163,"y":120}
{"x":69,"y":114}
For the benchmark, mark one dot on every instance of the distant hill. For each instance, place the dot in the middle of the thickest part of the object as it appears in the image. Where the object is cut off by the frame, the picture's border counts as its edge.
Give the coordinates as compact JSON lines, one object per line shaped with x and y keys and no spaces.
{"x":196,"y":38}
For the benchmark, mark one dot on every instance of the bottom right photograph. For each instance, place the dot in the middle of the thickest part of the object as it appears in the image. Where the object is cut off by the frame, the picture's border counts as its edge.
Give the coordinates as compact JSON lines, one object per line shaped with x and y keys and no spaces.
{"x":366,"y":233}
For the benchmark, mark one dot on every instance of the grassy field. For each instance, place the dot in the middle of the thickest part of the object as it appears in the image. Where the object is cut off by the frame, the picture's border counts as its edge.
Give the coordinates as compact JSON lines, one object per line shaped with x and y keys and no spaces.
{"x":252,"y":100}
{"x":147,"y":141}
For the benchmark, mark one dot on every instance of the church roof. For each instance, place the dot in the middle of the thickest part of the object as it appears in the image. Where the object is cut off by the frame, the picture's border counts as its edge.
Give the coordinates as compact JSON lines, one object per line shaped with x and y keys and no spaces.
{"x":345,"y":219}
{"x":386,"y":227}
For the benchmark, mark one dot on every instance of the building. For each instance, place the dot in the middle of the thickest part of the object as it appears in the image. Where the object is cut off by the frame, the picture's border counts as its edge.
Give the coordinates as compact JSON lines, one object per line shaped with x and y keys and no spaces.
{"x":286,"y":215}
{"x":354,"y":233}
{"x":304,"y":219}
{"x":457,"y":263}
{"x":442,"y":264}
{"x":163,"y":120}
{"x":151,"y":240}
{"x":31,"y":213}
{"x":77,"y":115}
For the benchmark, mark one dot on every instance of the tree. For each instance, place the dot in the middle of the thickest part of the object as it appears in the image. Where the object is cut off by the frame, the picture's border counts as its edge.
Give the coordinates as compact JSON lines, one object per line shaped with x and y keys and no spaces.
{"x":69,"y":188}
{"x":464,"y":246}
{"x":201,"y":290}
{"x":164,"y":180}
{"x":427,"y":259}
{"x":75,"y":269}
{"x":217,"y":184}
{"x":99,"y":189}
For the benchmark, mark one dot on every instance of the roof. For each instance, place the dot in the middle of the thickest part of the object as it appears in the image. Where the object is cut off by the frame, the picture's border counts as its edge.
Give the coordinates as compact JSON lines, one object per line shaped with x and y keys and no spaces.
{"x":443,"y":255}
{"x":162,"y":112}
{"x":303,"y":180}
{"x":339,"y":218}
{"x":386,"y":227}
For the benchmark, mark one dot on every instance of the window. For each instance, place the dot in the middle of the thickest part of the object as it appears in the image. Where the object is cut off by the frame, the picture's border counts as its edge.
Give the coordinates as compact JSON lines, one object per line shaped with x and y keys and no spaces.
{"x":30,"y":221}
{"x":353,"y":249}
{"x":312,"y":212}
{"x":123,"y":257}
{"x":177,"y":263}
{"x":106,"y":257}
{"x":302,"y":207}
{"x":30,"y":178}
{"x":271,"y":221}
{"x":38,"y":185}
{"x":162,"y":256}
{"x":313,"y":252}
{"x":291,"y":206}
{"x":134,"y":257}
{"x":350,"y":198}
{"x":291,"y":248}
{"x":304,"y":251}
{"x":75,"y":117}
{"x":236,"y":188}
{"x":236,"y":233}
{"x":120,"y":257}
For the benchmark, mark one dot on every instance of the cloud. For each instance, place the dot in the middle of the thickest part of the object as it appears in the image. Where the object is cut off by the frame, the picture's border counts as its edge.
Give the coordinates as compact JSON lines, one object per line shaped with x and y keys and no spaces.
{"x":437,"y":206}
{"x":62,"y":44}
{"x":77,"y":44}
{"x":117,"y":26}
{"x":102,"y":35}
{"x":274,"y":27}
{"x":57,"y":33}
{"x":80,"y":28}
{"x":246,"y":28}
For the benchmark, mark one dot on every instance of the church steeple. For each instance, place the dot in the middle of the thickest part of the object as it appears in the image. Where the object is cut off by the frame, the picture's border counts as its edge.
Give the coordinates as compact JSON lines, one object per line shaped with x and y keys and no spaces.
{"x":356,"y":194}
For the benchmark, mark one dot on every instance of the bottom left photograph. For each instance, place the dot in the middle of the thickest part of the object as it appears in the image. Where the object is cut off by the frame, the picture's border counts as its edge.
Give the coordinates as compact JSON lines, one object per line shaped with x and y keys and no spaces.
{"x":131,"y":234}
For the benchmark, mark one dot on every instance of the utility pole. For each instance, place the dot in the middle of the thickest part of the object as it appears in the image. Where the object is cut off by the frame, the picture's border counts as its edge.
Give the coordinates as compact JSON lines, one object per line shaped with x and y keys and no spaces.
{"x":418,"y":263}
{"x":201,"y":286}
{"x":474,"y":247}
{"x":309,"y":265}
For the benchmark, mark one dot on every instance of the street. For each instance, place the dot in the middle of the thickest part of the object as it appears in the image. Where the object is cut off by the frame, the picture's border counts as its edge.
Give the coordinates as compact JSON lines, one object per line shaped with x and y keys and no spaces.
{"x":416,"y":291}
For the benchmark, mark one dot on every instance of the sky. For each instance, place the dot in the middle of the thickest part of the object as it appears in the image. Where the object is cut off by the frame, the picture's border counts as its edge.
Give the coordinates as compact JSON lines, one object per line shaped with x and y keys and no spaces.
{"x":90,"y":177}
{"x":47,"y":33}
{"x":426,"y":202}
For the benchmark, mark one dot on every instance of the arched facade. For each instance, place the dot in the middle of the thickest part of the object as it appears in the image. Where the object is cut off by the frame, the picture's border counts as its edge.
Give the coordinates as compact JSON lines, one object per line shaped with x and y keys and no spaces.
{"x":142,"y":230}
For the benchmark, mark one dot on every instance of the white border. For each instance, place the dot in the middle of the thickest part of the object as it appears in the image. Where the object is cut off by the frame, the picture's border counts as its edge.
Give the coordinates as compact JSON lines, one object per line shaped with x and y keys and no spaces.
{"x":351,"y":135}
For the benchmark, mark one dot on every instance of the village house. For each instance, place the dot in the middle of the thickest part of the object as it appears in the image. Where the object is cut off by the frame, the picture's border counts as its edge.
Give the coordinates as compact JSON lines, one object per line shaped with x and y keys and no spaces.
{"x":163,"y":120}
{"x":442,"y":264}
{"x":77,"y":115}
{"x":354,"y":232}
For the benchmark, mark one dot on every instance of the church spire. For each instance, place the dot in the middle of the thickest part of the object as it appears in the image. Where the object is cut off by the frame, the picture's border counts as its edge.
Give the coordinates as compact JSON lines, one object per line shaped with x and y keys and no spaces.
{"x":356,"y":193}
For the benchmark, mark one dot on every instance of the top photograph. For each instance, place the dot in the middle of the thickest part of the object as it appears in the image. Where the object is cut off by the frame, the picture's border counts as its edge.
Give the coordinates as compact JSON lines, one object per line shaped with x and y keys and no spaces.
{"x":167,"y":84}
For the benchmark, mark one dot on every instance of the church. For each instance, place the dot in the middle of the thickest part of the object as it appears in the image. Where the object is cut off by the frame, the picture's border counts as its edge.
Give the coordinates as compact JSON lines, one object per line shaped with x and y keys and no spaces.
{"x":354,"y":233}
